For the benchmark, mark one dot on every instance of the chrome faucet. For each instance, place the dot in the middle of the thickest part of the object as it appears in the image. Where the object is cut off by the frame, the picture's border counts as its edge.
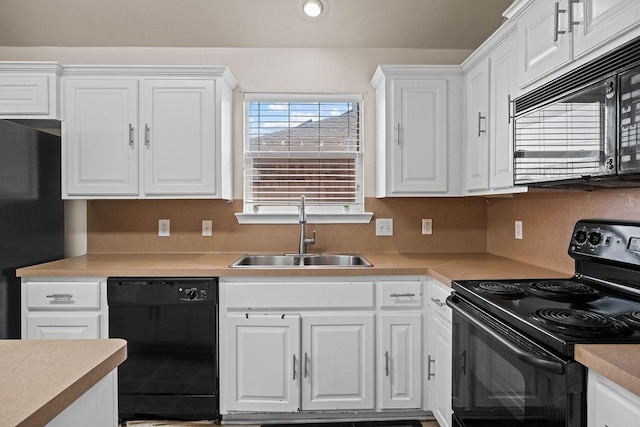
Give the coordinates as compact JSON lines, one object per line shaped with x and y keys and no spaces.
{"x":302,"y":219}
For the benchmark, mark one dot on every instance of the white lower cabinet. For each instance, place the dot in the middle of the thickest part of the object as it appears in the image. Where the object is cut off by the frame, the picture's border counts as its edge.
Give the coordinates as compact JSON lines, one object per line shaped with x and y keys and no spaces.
{"x":326,"y":345}
{"x":610,"y":405}
{"x":439,"y":357}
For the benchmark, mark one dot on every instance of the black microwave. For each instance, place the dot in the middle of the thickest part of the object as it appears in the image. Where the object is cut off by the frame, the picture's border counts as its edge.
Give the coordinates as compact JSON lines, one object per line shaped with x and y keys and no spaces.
{"x":582,"y":130}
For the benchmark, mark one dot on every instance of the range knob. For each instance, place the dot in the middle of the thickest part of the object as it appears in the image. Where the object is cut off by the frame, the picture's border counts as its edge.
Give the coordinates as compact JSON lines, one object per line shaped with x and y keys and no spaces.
{"x":595,"y":238}
{"x":580,"y":237}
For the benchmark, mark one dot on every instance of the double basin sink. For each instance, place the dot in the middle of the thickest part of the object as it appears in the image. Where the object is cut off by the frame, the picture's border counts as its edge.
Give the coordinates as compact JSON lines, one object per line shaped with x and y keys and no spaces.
{"x":300,"y":261}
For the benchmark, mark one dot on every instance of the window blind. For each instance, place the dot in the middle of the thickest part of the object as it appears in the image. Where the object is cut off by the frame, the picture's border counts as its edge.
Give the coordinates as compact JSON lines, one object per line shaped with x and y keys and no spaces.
{"x":298,"y":145}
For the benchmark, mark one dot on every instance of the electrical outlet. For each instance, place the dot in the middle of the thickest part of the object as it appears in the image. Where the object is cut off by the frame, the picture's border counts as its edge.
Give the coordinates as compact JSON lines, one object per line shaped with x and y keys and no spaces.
{"x":427,"y":226}
{"x":384,"y":227}
{"x":207,"y":227}
{"x":164,"y":227}
{"x":518,"y":233}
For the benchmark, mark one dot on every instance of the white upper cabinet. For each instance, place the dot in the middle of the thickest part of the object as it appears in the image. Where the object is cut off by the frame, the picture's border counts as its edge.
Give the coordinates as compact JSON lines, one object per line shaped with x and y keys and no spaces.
{"x":147,"y":132}
{"x":29,"y":90}
{"x":490,"y":84}
{"x":555,"y":34}
{"x":417,"y":145}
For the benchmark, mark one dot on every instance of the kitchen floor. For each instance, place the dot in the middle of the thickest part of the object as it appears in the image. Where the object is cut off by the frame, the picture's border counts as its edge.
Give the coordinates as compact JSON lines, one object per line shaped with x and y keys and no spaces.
{"x":210,"y":424}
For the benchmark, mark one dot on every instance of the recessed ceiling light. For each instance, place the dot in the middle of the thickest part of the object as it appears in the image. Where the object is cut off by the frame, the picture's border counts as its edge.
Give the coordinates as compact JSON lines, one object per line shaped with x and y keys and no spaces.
{"x":312,"y":8}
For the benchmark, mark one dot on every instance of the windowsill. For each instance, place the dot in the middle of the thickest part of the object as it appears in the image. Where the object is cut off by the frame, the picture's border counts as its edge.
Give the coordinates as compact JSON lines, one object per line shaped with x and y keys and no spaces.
{"x":312,"y":218}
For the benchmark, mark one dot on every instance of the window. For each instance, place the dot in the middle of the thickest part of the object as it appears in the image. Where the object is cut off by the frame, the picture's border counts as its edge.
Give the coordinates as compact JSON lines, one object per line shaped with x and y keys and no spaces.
{"x":303,"y":144}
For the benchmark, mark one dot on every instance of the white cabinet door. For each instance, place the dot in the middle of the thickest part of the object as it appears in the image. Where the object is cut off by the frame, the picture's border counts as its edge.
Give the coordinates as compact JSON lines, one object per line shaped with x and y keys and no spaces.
{"x":420,"y":136}
{"x":263,"y":369}
{"x":99,"y":137}
{"x":476,"y":129}
{"x":598,"y":22}
{"x":57,"y":326}
{"x":439,"y":358}
{"x":178,"y":117}
{"x":337,"y":362}
{"x":610,"y":405}
{"x":503,"y":88}
{"x":543,"y":39}
{"x":400,"y":360}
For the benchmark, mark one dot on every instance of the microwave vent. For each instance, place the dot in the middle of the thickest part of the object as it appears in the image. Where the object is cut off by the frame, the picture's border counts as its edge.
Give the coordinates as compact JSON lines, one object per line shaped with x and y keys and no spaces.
{"x":618,"y":60}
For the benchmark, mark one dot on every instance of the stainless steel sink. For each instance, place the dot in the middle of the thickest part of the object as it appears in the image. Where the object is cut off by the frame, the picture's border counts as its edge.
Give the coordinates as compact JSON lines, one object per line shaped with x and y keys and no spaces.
{"x":300,"y":261}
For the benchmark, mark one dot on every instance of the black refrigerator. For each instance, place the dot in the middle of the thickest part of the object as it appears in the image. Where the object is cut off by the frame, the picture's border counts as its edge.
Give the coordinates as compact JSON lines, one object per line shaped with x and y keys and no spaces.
{"x":31,"y":211}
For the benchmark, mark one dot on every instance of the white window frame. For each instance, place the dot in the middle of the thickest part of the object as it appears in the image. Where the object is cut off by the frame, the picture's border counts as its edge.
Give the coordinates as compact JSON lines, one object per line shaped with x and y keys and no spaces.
{"x":315,"y":214}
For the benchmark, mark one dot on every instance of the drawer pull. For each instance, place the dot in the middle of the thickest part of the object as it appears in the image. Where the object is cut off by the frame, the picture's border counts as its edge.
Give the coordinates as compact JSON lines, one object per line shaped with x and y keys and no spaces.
{"x":437,"y":301}
{"x":409,"y":295}
{"x":61,"y":297}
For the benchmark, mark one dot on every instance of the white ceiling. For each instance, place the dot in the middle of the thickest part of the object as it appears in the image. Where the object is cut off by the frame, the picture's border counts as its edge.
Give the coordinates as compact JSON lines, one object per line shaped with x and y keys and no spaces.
{"x":420,"y":24}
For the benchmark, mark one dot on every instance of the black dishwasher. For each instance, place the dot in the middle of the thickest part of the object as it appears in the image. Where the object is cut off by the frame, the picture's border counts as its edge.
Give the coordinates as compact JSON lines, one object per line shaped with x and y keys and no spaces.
{"x":170,"y":325}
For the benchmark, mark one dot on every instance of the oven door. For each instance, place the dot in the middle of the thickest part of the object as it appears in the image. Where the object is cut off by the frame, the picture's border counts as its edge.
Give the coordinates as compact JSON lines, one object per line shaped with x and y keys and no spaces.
{"x":501,"y":378}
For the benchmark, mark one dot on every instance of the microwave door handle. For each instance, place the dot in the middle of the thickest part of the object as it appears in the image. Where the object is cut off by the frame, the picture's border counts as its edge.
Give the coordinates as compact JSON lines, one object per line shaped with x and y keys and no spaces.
{"x":549,"y":365}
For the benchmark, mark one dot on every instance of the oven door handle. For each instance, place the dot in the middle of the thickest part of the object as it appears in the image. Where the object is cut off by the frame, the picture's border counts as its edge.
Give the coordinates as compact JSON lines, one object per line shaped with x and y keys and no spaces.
{"x":549,"y":365}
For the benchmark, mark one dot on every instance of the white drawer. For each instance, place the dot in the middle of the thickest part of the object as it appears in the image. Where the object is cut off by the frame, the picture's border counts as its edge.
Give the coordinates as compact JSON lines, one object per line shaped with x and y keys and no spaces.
{"x":299,"y":295}
{"x":24,"y":95}
{"x":63,"y":295}
{"x":400,"y":294}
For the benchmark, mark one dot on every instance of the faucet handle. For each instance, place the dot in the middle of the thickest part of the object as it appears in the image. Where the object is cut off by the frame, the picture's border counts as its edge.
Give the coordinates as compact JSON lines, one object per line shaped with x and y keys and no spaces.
{"x":311,"y":240}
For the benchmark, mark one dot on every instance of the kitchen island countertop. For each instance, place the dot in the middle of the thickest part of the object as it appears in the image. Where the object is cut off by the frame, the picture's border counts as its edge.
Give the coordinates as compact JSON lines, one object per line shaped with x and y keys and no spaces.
{"x":40,"y":378}
{"x":444,"y":267}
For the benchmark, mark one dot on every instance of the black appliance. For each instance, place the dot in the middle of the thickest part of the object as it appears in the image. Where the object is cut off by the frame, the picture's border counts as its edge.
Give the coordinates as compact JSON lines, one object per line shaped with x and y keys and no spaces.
{"x":582,"y":130}
{"x":31,"y":212}
{"x":170,"y":325}
{"x":513,"y":340}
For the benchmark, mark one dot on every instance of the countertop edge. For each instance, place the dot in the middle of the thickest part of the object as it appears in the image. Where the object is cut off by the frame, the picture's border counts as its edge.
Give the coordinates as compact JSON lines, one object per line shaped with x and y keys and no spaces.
{"x":60,"y":402}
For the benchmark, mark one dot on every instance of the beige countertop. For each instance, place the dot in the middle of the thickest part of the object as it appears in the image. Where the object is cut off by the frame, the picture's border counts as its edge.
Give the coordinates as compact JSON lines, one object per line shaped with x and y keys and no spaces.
{"x":444,"y":267}
{"x":617,"y":362}
{"x":40,"y":378}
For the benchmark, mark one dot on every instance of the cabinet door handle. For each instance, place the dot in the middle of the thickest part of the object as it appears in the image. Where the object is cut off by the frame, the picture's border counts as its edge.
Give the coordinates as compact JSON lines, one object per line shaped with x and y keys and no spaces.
{"x":429,"y":373}
{"x":509,"y":104}
{"x":571,"y":21}
{"x":131,"y":142}
{"x":306,"y":362}
{"x":556,"y":19}
{"x":398,"y":133}
{"x":294,"y":367}
{"x":61,"y":297}
{"x":480,"y":119}
{"x":437,"y":301}
{"x":147,"y":140}
{"x":409,"y":295}
{"x":386,"y":363}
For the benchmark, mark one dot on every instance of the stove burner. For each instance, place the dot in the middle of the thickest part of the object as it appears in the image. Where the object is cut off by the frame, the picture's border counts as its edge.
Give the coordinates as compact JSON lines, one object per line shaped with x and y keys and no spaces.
{"x":579,"y":322}
{"x":502,"y":290}
{"x":563,"y":290}
{"x":632,"y":319}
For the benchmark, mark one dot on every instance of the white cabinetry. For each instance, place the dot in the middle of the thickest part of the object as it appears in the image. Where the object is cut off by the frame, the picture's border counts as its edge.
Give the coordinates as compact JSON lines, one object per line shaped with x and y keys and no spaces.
{"x":29,"y":90}
{"x":291,"y":344}
{"x":439,"y":357}
{"x":64,"y":308}
{"x":553,"y":34}
{"x":418,"y":138}
{"x":608,"y":404}
{"x":489,"y":78}
{"x":147,"y":132}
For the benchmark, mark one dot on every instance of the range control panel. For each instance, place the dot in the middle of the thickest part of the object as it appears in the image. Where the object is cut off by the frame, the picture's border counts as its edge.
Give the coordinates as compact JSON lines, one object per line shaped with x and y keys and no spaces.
{"x":617,"y":241}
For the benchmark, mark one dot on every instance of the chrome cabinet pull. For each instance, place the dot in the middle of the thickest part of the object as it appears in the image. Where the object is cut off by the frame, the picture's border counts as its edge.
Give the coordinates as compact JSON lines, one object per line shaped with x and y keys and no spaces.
{"x":571,"y":21}
{"x":386,"y":363}
{"x":61,"y":297}
{"x":509,"y":105}
{"x":556,"y":19}
{"x":306,"y":362}
{"x":437,"y":301}
{"x":131,"y":142}
{"x":429,"y":373}
{"x":146,"y":135}
{"x":409,"y":295}
{"x":398,"y":133}
{"x":480,"y":119}
{"x":294,"y":367}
